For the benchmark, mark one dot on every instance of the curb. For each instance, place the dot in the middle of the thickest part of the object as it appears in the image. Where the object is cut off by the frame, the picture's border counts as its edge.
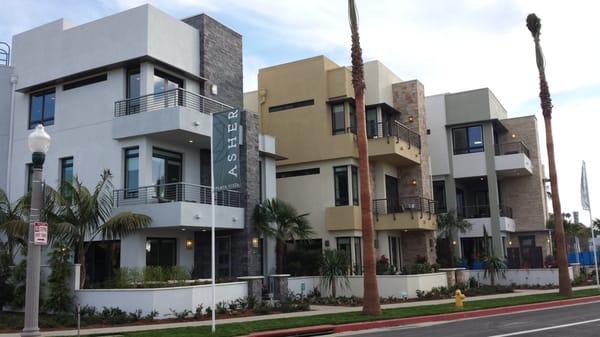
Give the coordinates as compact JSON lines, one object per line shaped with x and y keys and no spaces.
{"x":461,"y":315}
{"x":328,"y":329}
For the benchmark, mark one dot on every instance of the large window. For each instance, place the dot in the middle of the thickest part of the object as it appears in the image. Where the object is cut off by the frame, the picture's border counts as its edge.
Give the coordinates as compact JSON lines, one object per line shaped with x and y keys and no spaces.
{"x":166,"y":172}
{"x":66,"y":170}
{"x":133,"y":90}
{"x":161,"y":252}
{"x":340,"y":174}
{"x":338,"y":119}
{"x":355,"y":193}
{"x":468,"y":139}
{"x":439,"y":195}
{"x":132,"y":171}
{"x":164,"y":81}
{"x":41,"y":108}
{"x":372,"y":126}
{"x":352,"y":118}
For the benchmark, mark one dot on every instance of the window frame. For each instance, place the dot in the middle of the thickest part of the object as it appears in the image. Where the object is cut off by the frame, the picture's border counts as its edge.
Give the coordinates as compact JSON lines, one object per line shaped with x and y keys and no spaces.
{"x":355,"y":185}
{"x":43,"y":119}
{"x":334,"y":130}
{"x":341,"y":201}
{"x":126,"y":156}
{"x":469,"y":148}
{"x":63,"y":165}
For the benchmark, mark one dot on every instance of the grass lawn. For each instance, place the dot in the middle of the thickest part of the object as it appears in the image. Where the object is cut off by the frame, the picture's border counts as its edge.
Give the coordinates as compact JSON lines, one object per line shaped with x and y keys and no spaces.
{"x":238,"y":329}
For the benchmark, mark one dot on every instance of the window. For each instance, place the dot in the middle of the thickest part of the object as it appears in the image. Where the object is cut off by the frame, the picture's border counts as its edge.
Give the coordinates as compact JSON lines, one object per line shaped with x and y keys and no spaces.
{"x":352,"y":118}
{"x":340,"y":174}
{"x":338,"y":122}
{"x":29,"y":176}
{"x":439,"y":195}
{"x":355,"y":193}
{"x":357,"y":256}
{"x":161,"y":252}
{"x":297,"y":173}
{"x":132,"y":172}
{"x":66,"y":170}
{"x":468,"y":139}
{"x":166,"y":173}
{"x":372,"y":126}
{"x":41,"y":108}
{"x":164,"y":81}
{"x":84,"y":82}
{"x":293,"y":105}
{"x":133,"y":91}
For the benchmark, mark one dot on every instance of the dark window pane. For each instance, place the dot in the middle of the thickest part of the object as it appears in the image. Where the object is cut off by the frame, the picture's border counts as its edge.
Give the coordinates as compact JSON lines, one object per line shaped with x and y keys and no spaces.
{"x":341,"y":185}
{"x":355,"y":193}
{"x":133,"y":83}
{"x":36,"y":109}
{"x":49,"y":100}
{"x":161,"y":252}
{"x":131,"y":172}
{"x":337,"y":118}
{"x":460,"y":141}
{"x":371,"y":122}
{"x":352,"y":118}
{"x":475,"y":139}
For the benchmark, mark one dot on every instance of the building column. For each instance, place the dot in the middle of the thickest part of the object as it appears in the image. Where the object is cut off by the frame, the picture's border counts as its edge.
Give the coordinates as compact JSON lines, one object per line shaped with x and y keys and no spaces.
{"x":492,"y":180}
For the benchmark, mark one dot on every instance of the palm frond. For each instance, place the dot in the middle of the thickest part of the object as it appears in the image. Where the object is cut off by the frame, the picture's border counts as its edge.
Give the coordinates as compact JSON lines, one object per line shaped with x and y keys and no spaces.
{"x":124,"y":224}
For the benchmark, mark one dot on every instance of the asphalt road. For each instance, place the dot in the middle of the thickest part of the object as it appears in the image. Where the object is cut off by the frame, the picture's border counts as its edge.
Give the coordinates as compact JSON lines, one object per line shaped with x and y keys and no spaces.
{"x":577,"y":321}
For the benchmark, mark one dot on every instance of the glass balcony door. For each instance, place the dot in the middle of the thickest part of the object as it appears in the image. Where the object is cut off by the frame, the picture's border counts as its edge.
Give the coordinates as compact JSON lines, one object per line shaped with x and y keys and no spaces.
{"x":166,"y":173}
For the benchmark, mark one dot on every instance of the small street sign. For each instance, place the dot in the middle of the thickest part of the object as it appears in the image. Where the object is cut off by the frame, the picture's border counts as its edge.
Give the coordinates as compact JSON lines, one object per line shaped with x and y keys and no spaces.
{"x":40,"y":233}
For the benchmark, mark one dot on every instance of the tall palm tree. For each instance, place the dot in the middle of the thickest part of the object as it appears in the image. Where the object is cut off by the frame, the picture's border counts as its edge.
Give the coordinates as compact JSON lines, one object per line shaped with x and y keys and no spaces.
{"x":81,"y":215}
{"x":371,"y":297}
{"x":448,"y":224}
{"x":289,"y":225}
{"x":564,"y":283}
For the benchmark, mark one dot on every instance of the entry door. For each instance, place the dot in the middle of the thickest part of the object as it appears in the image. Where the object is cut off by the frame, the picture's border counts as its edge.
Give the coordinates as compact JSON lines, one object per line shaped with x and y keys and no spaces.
{"x":166,"y":173}
{"x":223,"y":256}
{"x":391,"y":194}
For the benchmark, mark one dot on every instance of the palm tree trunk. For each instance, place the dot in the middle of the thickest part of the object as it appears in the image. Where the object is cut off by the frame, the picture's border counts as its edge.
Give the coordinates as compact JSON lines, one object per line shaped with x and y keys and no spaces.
{"x":371,"y":294}
{"x":280,"y":247}
{"x":81,"y":257}
{"x":333,"y":288}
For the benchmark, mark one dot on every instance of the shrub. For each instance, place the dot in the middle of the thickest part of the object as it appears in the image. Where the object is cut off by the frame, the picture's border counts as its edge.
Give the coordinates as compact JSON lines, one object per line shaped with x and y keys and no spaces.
{"x":151,"y":316}
{"x":114,"y":315}
{"x":136,"y":315}
{"x":221,"y":308}
{"x":198,"y":314}
{"x":6,"y":288}
{"x":18,"y":278}
{"x":60,"y":297}
{"x":180,"y":315}
{"x":263,"y":308}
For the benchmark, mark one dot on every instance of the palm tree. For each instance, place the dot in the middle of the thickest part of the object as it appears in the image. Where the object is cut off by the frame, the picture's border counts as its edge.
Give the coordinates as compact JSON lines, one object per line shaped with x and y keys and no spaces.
{"x":289,"y":225}
{"x":494,"y":267}
{"x":371,"y":297}
{"x":448,"y":224}
{"x":564,"y":283}
{"x":12,"y":222}
{"x":334,"y":265}
{"x":80,"y":214}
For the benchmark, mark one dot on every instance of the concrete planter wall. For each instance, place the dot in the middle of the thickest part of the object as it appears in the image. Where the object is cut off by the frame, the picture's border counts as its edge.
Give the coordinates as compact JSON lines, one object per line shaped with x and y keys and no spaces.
{"x":161,"y":299}
{"x":389,"y":285}
{"x":522,"y":277}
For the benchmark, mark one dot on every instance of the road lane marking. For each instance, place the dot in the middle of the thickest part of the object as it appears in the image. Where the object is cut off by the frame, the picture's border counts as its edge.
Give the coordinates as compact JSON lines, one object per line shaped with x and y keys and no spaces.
{"x":547,"y":328}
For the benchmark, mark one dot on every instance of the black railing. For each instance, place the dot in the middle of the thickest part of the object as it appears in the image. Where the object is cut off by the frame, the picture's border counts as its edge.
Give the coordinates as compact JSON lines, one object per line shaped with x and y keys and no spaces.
{"x":175,"y":192}
{"x":393,"y":129}
{"x":512,"y":148}
{"x":483,"y":211}
{"x":413,"y":205}
{"x":168,"y":99}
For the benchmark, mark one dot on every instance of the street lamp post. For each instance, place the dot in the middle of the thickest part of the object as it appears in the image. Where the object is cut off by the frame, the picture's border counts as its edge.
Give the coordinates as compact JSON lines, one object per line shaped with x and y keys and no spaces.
{"x":39,"y":142}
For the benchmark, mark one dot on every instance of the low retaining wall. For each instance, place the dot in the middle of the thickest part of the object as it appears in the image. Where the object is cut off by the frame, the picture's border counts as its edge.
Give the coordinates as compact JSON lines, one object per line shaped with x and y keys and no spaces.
{"x":161,"y":299}
{"x":522,"y":277}
{"x":389,"y":285}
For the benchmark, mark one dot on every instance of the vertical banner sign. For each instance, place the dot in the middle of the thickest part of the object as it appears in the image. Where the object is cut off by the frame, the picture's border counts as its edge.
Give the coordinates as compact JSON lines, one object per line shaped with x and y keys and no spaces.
{"x":226,"y":150}
{"x":585,"y":195}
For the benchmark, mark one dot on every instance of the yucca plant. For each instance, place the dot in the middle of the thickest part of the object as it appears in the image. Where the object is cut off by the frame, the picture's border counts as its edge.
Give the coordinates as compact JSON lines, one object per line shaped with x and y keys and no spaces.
{"x":564,"y":282}
{"x":335,"y":265}
{"x":494,"y":267}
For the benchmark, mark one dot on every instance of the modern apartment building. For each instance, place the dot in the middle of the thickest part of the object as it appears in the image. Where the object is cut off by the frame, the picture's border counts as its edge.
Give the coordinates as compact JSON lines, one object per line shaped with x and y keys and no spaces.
{"x":308,"y":105}
{"x":487,"y":168}
{"x":133,"y":93}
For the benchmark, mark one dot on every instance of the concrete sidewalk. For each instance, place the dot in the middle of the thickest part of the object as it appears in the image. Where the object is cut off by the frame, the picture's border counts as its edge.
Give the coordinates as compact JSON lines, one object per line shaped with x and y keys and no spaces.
{"x":316,"y":310}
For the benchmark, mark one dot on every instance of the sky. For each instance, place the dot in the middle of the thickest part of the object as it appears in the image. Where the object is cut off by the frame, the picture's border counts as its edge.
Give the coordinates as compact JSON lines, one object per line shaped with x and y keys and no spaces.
{"x":449,"y":46}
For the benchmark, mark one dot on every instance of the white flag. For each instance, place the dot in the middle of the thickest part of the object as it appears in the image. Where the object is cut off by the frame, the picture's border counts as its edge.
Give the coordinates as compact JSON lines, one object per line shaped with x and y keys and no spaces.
{"x":585,"y":196}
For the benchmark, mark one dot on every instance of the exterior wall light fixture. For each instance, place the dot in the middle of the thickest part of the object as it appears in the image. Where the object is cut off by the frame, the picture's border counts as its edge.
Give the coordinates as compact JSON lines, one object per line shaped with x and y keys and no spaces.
{"x":189,"y":244}
{"x":254,"y":242}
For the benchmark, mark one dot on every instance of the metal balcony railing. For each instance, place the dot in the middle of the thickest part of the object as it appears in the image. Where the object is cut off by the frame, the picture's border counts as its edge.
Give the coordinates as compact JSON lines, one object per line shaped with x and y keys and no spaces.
{"x":393,"y":129}
{"x":168,"y":99}
{"x":175,"y":192}
{"x":483,"y":211}
{"x":413,"y":205}
{"x":512,"y":148}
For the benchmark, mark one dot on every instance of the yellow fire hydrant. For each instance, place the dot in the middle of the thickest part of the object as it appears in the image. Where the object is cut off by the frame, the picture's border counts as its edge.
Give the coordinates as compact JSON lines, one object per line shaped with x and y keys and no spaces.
{"x":459,"y":298}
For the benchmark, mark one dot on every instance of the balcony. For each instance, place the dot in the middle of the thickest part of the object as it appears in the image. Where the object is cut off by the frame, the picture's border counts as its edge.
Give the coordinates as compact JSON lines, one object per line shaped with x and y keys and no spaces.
{"x":412,"y":213}
{"x":512,"y":159}
{"x":394,"y":143}
{"x":175,"y":110}
{"x":182,"y":204}
{"x":483,"y":211}
{"x":343,"y":218}
{"x":479,"y":217}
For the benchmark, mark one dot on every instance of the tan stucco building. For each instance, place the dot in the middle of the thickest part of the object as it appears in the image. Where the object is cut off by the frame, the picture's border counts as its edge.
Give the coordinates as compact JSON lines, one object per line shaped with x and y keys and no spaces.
{"x":308,"y":105}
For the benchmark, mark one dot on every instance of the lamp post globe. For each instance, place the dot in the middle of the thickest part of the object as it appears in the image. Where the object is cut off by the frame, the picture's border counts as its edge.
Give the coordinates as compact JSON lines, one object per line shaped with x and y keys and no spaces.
{"x":39,"y":143}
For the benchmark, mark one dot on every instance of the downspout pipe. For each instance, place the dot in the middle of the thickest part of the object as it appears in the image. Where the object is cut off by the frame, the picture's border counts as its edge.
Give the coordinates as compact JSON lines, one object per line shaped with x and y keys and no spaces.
{"x":13,"y":82}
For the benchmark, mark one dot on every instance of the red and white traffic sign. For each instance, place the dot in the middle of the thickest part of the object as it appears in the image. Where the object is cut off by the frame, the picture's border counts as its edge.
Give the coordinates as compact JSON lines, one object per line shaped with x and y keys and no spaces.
{"x":40,"y":233}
